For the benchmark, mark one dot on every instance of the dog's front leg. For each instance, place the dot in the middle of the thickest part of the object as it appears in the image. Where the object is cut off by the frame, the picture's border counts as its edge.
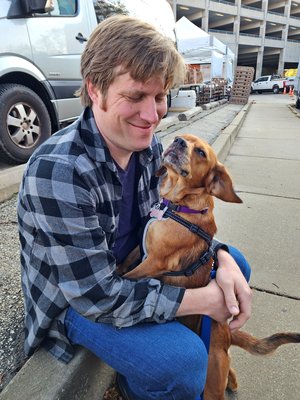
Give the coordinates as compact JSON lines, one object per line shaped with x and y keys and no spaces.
{"x":147,"y":269}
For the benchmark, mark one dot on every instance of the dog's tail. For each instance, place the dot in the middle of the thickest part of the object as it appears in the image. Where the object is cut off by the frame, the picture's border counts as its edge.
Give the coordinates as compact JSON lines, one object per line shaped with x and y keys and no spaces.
{"x":262,"y":346}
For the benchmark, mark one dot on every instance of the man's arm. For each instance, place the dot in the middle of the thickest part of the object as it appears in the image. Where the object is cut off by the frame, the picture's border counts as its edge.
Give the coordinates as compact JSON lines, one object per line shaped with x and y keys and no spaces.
{"x":237,"y":293}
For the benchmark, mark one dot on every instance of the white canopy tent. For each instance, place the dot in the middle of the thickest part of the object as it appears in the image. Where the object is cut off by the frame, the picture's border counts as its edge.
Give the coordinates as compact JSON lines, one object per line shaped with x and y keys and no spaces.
{"x":198,"y":47}
{"x":229,"y":65}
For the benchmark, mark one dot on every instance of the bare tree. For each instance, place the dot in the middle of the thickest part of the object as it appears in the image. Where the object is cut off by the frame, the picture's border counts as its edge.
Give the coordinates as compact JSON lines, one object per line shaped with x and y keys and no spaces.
{"x":105,"y":9}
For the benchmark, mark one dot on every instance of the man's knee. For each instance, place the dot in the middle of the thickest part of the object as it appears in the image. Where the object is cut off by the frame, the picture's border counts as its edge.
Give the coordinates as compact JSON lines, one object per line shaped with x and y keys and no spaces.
{"x":180,"y":377}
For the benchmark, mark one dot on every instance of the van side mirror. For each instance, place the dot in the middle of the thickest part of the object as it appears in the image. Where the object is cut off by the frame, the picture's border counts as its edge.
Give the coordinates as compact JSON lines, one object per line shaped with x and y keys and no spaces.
{"x":25,"y":8}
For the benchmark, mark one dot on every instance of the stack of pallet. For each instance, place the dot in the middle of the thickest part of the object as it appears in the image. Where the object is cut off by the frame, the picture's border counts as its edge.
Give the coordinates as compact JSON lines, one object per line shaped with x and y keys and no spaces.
{"x":205,"y":95}
{"x":219,"y":88}
{"x":241,"y":85}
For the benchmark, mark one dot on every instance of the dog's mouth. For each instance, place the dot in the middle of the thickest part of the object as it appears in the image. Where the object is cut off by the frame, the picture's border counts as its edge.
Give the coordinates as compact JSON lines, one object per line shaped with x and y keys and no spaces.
{"x":176,"y":157}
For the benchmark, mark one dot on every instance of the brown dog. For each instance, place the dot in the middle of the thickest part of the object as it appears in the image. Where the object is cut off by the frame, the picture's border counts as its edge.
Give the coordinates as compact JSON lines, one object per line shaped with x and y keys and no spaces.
{"x":191,"y":176}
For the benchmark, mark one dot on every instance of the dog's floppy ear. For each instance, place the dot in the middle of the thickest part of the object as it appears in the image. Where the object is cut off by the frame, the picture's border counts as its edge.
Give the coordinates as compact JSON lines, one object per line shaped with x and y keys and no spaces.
{"x":219,"y":184}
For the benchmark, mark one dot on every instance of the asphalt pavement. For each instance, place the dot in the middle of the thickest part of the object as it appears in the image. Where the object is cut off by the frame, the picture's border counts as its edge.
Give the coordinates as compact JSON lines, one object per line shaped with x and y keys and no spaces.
{"x":264,"y":162}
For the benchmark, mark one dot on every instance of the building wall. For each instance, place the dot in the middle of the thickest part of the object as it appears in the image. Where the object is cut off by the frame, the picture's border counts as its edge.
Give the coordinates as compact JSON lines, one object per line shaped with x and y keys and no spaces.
{"x":264,"y":34}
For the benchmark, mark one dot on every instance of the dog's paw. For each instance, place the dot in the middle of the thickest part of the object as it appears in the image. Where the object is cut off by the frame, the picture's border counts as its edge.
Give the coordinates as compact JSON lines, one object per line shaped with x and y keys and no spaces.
{"x":231,"y":394}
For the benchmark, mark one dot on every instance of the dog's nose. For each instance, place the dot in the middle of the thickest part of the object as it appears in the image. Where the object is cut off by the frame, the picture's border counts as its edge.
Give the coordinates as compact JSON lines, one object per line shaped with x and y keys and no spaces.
{"x":180,"y":141}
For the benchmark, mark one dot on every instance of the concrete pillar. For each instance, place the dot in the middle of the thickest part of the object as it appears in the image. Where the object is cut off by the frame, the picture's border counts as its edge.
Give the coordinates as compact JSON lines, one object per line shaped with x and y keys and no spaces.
{"x":259,"y":62}
{"x":236,"y":30}
{"x":262,"y":34}
{"x":285,"y":30}
{"x":174,"y":7}
{"x":205,"y":17}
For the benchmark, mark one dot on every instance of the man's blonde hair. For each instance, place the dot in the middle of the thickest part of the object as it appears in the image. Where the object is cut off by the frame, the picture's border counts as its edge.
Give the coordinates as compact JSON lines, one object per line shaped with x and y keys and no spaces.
{"x":135,"y":47}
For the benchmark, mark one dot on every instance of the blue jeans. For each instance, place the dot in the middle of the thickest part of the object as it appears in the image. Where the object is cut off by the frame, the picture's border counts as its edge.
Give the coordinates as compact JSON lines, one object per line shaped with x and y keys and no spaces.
{"x":155,"y":361}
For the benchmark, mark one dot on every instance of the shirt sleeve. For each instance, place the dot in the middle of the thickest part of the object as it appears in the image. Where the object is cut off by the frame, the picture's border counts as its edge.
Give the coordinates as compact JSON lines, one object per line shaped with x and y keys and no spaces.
{"x":70,"y":244}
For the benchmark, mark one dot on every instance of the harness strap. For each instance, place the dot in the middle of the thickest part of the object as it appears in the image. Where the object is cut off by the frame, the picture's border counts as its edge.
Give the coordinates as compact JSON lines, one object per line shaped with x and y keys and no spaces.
{"x":204,"y":258}
{"x":192,"y":227}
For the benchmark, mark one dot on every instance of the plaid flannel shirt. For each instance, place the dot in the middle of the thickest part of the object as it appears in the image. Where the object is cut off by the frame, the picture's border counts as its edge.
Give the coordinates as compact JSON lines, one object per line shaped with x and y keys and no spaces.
{"x":68,"y":215}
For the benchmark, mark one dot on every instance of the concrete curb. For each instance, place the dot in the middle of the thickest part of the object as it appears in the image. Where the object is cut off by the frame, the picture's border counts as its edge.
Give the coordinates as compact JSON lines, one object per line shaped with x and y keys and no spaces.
{"x":85,"y":377}
{"x":224,"y":141}
{"x":10,"y":181}
{"x":44,"y":378}
{"x":293,"y":109}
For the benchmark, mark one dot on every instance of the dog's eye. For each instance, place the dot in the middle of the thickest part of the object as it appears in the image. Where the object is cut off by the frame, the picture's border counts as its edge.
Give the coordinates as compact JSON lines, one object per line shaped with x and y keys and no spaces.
{"x":200,"y":152}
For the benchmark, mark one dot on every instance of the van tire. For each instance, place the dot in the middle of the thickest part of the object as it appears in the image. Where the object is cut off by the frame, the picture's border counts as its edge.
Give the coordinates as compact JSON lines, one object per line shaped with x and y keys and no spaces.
{"x":24,"y":123}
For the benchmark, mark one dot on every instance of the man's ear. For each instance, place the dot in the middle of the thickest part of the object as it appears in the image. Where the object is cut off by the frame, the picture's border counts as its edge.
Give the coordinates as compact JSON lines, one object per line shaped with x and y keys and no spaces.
{"x":95,"y":94}
{"x":219,"y":184}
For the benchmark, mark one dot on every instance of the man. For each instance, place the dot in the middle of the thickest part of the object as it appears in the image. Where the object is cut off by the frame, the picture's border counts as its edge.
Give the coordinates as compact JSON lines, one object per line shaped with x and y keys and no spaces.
{"x":85,"y":193}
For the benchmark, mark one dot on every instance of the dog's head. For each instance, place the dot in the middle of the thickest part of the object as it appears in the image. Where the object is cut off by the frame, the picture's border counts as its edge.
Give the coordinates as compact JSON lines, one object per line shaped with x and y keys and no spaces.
{"x":190,"y":164}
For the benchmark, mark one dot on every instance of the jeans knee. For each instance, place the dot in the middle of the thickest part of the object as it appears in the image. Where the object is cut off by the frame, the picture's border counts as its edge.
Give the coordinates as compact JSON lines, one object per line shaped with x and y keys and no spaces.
{"x":241,"y":261}
{"x":192,"y":375}
{"x":182,"y":378}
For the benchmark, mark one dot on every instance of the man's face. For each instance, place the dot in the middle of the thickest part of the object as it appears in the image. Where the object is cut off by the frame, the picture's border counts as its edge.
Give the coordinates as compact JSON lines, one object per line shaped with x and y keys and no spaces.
{"x":130,"y":114}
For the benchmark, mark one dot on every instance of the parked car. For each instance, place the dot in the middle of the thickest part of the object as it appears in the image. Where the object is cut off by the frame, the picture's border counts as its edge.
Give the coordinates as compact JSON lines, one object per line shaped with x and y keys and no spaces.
{"x":268,"y":83}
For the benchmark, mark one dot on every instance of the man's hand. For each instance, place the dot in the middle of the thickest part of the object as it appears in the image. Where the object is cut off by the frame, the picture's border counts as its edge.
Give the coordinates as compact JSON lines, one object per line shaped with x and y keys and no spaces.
{"x":237,"y":293}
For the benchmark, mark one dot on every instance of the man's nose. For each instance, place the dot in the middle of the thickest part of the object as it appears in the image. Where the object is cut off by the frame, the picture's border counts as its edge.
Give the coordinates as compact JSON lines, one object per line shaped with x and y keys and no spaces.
{"x":149,"y":111}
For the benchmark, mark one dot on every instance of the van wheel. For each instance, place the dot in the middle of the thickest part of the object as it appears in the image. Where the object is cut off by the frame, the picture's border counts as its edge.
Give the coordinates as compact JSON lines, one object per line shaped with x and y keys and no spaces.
{"x":298,"y":103}
{"x":275,"y":89}
{"x":24,"y":123}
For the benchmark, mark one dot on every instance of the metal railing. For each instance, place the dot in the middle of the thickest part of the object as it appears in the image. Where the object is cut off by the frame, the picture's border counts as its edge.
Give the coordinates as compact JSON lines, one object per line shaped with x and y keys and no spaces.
{"x":252,"y":8}
{"x":272,"y":37}
{"x":276,"y":13}
{"x":230,"y":3}
{"x":221,"y":31}
{"x":250,"y":35}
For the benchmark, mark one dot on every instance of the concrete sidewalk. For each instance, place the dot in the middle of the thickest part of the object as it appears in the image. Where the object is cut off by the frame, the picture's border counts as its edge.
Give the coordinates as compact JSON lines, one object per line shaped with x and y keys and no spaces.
{"x":264,"y":162}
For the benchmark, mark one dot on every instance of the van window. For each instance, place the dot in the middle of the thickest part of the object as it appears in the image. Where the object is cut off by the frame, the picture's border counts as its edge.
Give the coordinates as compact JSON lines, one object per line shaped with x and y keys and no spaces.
{"x":64,"y":7}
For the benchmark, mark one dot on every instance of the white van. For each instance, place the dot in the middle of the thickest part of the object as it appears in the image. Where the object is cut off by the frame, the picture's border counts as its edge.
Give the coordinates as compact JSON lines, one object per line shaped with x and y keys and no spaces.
{"x":40,"y":48}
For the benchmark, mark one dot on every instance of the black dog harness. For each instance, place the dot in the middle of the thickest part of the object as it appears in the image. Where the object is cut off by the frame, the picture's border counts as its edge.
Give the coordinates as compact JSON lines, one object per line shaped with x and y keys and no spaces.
{"x":166,"y":209}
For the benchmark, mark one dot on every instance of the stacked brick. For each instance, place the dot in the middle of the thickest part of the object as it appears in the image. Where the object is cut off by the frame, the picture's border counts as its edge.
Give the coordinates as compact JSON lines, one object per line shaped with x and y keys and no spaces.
{"x":241,"y":85}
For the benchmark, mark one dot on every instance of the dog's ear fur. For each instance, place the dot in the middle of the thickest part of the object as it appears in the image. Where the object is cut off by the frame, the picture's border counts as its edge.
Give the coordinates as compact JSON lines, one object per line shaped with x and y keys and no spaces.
{"x":219,"y":184}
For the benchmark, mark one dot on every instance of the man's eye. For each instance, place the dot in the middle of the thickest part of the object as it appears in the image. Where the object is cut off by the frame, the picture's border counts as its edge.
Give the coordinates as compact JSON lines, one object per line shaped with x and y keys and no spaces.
{"x":135,"y":99}
{"x":161,"y":99}
{"x":200,"y":152}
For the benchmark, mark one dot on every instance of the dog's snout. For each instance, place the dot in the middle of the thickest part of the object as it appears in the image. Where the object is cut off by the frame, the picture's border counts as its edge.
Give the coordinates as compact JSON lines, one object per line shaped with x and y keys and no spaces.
{"x":180,"y":142}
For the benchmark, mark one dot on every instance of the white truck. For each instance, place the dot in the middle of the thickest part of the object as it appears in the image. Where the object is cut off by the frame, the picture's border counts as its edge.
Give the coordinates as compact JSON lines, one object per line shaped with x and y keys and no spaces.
{"x":268,"y":83}
{"x":40,"y":49}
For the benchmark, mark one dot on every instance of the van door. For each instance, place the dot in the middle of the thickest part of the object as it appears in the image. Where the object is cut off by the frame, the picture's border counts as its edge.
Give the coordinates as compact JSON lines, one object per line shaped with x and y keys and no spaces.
{"x":58,"y":39}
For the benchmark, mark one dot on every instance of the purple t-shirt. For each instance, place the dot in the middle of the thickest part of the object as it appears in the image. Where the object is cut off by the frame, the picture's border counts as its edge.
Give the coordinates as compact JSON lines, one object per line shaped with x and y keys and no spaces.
{"x":129,"y":219}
